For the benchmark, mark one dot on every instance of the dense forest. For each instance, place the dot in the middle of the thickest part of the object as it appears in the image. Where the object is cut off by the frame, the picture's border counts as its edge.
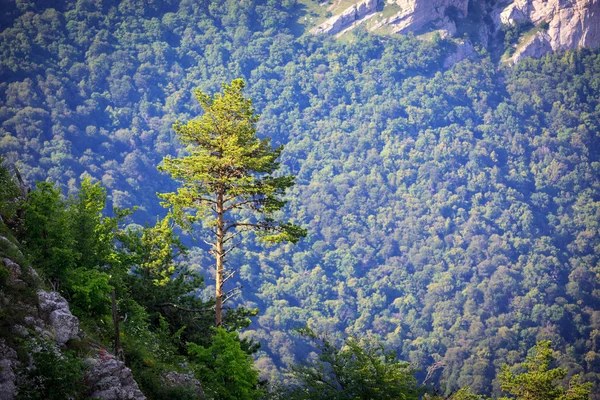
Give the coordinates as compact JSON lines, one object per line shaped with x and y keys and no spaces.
{"x":453,"y":213}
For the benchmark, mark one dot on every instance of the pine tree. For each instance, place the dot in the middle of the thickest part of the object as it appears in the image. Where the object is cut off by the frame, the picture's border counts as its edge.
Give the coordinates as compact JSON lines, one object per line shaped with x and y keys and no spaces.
{"x":228,"y":180}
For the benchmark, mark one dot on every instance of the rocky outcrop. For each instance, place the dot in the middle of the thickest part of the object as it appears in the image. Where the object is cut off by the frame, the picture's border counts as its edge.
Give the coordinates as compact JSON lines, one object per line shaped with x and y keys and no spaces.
{"x":415,"y":14}
{"x":8,"y":362}
{"x":109,"y":379}
{"x":538,"y":46}
{"x":352,"y":14}
{"x":186,"y":380}
{"x":571,"y":24}
{"x":54,"y":311}
{"x":463,"y":50}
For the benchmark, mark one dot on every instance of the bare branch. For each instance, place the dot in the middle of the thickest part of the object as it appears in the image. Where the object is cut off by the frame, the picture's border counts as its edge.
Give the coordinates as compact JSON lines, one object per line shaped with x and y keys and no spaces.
{"x":228,"y":238}
{"x":233,"y":247}
{"x":211,"y":244}
{"x":232,"y":293}
{"x":228,"y":277}
{"x":24,"y":188}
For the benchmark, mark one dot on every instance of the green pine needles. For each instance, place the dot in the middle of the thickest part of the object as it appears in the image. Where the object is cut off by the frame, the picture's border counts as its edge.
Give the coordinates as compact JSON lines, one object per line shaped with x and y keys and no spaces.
{"x":228,"y":180}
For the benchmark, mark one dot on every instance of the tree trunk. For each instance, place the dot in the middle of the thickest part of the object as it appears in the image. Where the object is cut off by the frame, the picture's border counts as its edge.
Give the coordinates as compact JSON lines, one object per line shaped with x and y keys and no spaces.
{"x":219,"y":255}
{"x":115,"y":315}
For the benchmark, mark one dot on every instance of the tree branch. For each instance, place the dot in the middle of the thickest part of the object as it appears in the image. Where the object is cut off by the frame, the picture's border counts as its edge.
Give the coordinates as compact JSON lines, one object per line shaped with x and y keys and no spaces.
{"x":240,"y":203}
{"x":184,"y":308}
{"x":243,"y":224}
{"x":231,"y":248}
{"x":232,"y":293}
{"x":228,"y":277}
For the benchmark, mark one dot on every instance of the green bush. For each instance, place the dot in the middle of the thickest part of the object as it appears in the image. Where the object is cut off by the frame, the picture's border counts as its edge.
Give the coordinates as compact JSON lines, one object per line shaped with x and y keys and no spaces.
{"x":89,"y":291}
{"x":51,"y":375}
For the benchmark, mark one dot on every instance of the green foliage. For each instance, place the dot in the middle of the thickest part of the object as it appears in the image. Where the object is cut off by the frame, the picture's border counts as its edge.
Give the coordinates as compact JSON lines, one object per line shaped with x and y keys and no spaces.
{"x":466,"y":394}
{"x":228,"y":179}
{"x":93,"y":234}
{"x":452,"y":212}
{"x":360,"y":369}
{"x":539,"y":381}
{"x":52,"y":375}
{"x":9,"y":193}
{"x":153,"y":252}
{"x":229,"y":162}
{"x":225,"y":370}
{"x":89,"y":291}
{"x":512,"y":34}
{"x":47,"y":236}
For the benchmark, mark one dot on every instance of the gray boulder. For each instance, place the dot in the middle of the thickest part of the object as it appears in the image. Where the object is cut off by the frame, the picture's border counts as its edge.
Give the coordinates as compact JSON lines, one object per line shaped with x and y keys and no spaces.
{"x":173,"y":378}
{"x":8,"y":362}
{"x":109,"y":379}
{"x":54,"y":311}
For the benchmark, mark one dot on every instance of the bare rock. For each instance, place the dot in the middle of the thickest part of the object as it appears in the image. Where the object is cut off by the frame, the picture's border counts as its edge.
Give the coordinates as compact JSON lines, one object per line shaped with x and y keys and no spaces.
{"x":356,"y":12}
{"x":8,"y":362}
{"x":109,"y":379}
{"x":463,"y":51}
{"x":415,"y":14}
{"x":538,"y":46}
{"x":572,"y":24}
{"x":54,"y":311}
{"x":14,"y":272}
{"x":187,"y":380}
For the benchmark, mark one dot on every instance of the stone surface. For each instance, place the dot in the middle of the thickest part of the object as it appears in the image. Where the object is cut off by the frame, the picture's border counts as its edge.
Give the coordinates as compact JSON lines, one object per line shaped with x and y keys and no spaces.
{"x":463,"y":50}
{"x":415,"y":14}
{"x":571,"y":23}
{"x":8,"y":362}
{"x":177,"y":379}
{"x":338,"y":22}
{"x":14,"y":272}
{"x":54,"y":311}
{"x":538,"y":46}
{"x":110,"y":379}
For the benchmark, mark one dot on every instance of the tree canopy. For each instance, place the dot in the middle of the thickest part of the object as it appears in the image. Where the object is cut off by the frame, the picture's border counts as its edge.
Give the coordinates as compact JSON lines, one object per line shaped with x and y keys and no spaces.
{"x":228,"y":180}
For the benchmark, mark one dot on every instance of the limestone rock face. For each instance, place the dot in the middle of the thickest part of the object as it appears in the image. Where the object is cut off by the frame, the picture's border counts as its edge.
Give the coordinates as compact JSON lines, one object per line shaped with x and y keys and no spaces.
{"x":8,"y":361}
{"x":415,"y":14}
{"x":338,"y":22}
{"x":110,"y":379}
{"x":538,"y":46}
{"x":571,"y":23}
{"x":463,"y":50}
{"x":54,"y":311}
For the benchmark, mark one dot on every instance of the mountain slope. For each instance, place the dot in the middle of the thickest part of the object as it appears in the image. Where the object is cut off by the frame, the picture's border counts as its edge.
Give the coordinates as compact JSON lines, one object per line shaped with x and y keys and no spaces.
{"x":452,"y":211}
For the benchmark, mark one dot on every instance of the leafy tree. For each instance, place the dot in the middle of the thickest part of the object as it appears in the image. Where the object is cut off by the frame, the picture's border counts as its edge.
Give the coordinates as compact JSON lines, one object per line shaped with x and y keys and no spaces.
{"x":228,"y":180}
{"x":9,"y":194}
{"x":359,"y":370}
{"x":539,"y":381}
{"x":47,"y":233}
{"x":52,"y":374}
{"x":224,"y":368}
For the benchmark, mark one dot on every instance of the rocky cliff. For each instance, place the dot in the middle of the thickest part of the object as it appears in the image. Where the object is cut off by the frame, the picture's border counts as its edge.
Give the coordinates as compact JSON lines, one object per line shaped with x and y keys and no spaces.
{"x":570,"y":24}
{"x":561,"y":24}
{"x":35,"y":320}
{"x":349,"y":16}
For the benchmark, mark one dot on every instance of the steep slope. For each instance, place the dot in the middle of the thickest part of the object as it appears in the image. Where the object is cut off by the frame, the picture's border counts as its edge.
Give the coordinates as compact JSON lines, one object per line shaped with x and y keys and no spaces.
{"x":36,"y":329}
{"x":453,"y":211}
{"x":570,"y":24}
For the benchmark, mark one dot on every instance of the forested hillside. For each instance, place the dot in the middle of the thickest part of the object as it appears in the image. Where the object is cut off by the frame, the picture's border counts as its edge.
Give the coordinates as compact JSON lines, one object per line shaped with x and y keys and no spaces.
{"x":453,"y":213}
